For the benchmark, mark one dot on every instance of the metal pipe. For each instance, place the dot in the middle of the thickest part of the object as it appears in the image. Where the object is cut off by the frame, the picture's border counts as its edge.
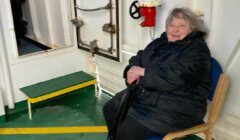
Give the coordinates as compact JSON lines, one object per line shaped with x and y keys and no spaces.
{"x":108,"y":6}
{"x":93,"y":60}
{"x":4,"y":59}
{"x":111,"y":23}
{"x":2,"y":109}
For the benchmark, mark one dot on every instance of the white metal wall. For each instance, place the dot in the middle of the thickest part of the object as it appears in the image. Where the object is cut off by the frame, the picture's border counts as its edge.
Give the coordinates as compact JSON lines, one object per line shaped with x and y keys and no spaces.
{"x":224,"y":41}
{"x":229,"y":122}
{"x":6,"y":36}
{"x":225,"y":29}
{"x":27,"y":70}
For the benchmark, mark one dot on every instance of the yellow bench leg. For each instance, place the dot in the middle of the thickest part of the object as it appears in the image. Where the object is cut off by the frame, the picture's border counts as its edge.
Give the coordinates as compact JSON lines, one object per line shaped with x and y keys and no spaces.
{"x":29,"y":111}
{"x":96,"y":90}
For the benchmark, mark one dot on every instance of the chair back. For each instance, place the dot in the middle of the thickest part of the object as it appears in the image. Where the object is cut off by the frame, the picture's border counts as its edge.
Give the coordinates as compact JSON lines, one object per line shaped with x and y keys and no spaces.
{"x":219,"y":87}
{"x":216,"y":70}
{"x":218,"y":98}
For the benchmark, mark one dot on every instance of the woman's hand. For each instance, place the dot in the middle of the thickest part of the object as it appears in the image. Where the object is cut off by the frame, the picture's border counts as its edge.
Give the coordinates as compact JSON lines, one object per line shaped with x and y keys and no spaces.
{"x":134,"y":74}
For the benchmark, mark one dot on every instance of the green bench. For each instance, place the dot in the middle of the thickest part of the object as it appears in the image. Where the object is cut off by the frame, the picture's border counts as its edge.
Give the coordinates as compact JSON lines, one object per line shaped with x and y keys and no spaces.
{"x":55,"y":87}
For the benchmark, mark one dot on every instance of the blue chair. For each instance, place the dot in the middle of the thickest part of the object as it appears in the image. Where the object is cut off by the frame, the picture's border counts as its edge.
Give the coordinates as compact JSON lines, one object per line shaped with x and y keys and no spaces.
{"x":219,"y":89}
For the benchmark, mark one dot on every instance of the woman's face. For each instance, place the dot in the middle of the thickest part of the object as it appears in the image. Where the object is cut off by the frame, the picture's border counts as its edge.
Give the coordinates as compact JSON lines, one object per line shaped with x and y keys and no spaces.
{"x":178,"y":29}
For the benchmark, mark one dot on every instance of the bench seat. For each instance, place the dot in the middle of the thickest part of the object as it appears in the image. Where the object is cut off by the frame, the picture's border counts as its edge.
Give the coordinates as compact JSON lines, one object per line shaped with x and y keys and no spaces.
{"x":55,"y":87}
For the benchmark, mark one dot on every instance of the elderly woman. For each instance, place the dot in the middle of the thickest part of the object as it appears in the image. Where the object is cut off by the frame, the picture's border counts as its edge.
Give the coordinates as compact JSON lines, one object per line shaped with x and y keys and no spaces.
{"x":173,"y":81}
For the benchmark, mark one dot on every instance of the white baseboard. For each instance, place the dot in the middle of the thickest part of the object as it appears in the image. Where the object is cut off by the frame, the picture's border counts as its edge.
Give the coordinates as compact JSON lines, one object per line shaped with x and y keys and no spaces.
{"x":227,"y":128}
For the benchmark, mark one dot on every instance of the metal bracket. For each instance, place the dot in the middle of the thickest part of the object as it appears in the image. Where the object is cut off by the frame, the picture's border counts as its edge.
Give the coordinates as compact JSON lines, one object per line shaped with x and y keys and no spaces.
{"x":78,"y":22}
{"x":109,"y":28}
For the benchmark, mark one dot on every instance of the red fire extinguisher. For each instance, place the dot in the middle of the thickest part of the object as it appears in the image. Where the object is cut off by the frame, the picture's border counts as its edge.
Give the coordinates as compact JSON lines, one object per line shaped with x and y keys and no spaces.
{"x":145,"y":8}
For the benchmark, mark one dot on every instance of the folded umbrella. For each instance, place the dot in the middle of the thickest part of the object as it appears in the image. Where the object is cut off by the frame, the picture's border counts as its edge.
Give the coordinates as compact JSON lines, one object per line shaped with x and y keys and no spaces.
{"x":122,"y":110}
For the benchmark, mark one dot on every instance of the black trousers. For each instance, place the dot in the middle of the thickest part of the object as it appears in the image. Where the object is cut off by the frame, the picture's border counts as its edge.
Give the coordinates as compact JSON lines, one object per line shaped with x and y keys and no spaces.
{"x":129,"y":129}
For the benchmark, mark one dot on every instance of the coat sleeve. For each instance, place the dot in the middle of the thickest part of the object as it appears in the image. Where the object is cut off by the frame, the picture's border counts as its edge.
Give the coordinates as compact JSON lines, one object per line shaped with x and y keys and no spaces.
{"x":189,"y":69}
{"x":133,"y":61}
{"x":137,"y":59}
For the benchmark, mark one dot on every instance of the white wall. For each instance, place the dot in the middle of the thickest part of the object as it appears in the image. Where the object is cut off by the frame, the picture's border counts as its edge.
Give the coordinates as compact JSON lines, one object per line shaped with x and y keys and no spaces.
{"x":225,"y":29}
{"x":27,"y":70}
{"x":224,"y":44}
{"x":233,"y":70}
{"x":46,"y":66}
{"x":229,"y":122}
{"x":2,"y":111}
{"x":5,"y":68}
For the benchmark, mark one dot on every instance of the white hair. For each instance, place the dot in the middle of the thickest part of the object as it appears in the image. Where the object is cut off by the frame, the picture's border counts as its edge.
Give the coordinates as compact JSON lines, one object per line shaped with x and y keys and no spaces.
{"x":186,"y":14}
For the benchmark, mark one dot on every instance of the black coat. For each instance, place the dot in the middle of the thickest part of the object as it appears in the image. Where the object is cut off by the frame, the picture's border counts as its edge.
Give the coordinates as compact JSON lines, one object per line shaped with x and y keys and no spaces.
{"x":173,"y":93}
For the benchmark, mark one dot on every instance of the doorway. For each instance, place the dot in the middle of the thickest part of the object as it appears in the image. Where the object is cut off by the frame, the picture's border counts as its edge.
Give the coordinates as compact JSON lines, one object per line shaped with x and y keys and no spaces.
{"x":42,"y":25}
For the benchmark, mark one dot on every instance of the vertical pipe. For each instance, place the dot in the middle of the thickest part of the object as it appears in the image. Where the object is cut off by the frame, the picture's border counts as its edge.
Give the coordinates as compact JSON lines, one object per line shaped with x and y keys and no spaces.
{"x":111,"y":24}
{"x":4,"y":59}
{"x":2,"y":110}
{"x":97,"y":76}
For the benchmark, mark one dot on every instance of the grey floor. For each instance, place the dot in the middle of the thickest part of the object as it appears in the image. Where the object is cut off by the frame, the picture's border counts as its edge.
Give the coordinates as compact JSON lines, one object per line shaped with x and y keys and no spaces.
{"x":26,"y":47}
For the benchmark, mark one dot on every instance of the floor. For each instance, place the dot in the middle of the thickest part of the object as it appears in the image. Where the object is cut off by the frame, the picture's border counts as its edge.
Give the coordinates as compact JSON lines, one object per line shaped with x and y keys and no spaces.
{"x":28,"y":46}
{"x":80,"y":108}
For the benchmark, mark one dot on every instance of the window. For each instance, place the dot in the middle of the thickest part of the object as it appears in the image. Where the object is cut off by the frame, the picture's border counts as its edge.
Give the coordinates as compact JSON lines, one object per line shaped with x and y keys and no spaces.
{"x":41,"y":25}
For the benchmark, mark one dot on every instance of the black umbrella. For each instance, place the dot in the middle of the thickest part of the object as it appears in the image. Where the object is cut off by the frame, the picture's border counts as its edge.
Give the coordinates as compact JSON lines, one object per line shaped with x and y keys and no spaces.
{"x":122,"y":111}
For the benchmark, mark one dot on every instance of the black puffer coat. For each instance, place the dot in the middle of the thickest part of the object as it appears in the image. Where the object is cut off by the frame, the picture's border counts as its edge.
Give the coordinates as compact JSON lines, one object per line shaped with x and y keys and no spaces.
{"x":172,"y":95}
